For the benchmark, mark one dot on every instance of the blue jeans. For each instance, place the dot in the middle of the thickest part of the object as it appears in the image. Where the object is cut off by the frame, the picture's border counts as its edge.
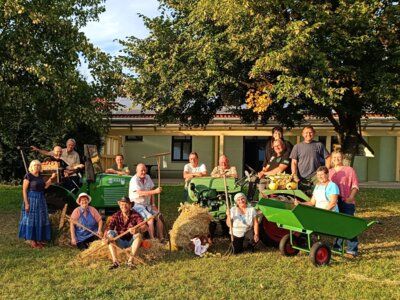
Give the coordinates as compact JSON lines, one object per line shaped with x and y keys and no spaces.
{"x":120,"y":242}
{"x":352,"y":245}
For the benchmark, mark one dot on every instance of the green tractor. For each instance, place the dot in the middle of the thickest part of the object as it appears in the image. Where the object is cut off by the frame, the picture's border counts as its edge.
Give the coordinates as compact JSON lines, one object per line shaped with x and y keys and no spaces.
{"x":210,"y":192}
{"x":105,"y":189}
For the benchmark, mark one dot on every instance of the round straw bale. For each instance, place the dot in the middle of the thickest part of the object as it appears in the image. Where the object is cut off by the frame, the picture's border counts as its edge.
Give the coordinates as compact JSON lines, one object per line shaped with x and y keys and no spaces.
{"x":192,"y":221}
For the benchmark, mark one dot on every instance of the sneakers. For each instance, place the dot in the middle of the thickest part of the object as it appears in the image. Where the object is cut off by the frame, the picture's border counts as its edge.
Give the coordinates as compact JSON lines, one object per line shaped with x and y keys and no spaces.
{"x":114,"y":265}
{"x":351,"y":254}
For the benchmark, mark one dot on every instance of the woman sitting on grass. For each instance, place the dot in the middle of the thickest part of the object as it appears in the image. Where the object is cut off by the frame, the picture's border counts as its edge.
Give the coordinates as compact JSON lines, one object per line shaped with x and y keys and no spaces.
{"x":34,"y":224}
{"x":325,"y":194}
{"x":89,"y":217}
{"x":243,"y":220}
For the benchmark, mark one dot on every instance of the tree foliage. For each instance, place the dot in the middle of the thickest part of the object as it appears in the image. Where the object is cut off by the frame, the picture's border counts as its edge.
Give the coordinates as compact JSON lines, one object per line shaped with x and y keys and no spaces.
{"x":43,"y":96}
{"x":338,"y":60}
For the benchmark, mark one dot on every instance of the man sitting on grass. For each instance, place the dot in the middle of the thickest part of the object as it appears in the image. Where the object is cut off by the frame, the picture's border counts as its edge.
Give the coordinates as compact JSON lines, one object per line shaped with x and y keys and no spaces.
{"x":121,"y":221}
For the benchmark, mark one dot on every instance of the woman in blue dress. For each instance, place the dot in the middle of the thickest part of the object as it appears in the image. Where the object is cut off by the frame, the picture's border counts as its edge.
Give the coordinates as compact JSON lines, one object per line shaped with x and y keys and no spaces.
{"x":34,"y":224}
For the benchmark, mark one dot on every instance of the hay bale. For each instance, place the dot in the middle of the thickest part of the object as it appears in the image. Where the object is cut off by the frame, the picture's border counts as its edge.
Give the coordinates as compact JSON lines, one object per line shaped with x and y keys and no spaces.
{"x":98,"y":251}
{"x":59,"y":237}
{"x":192,"y":221}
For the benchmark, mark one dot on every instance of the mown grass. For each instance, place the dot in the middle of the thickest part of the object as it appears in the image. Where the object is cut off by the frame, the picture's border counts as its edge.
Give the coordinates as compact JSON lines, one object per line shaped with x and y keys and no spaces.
{"x":51,"y":273}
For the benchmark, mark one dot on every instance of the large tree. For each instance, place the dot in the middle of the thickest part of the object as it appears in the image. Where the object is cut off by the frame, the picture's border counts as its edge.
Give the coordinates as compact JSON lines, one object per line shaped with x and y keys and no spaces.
{"x":43,"y":96}
{"x":338,"y":60}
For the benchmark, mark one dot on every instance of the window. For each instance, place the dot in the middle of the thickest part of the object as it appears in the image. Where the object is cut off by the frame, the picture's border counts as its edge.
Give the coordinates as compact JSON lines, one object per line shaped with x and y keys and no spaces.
{"x":181,"y":148}
{"x":133,"y":138}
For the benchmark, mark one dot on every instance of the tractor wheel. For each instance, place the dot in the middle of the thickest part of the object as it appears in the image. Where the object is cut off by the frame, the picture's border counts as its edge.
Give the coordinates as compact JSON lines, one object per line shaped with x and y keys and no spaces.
{"x":212,"y":228}
{"x":57,"y":197}
{"x":286,"y":248}
{"x":320,"y":254}
{"x":270,"y":233}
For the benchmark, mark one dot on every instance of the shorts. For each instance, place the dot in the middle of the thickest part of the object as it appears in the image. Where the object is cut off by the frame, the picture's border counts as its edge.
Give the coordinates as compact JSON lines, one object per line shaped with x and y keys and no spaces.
{"x":120,"y":242}
{"x":144,"y":211}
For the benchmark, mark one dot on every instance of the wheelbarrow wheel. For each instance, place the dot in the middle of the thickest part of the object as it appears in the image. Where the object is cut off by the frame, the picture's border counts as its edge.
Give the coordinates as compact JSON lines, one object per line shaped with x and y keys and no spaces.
{"x":286,"y":248}
{"x":320,"y":254}
{"x":270,"y":233}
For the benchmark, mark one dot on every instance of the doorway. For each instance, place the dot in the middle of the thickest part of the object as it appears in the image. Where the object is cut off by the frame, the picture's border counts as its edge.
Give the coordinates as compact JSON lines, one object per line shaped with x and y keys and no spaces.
{"x":254,"y":151}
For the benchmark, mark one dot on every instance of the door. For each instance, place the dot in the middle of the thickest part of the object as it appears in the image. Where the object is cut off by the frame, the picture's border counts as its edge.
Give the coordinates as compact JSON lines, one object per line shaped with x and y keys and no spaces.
{"x":254,"y":150}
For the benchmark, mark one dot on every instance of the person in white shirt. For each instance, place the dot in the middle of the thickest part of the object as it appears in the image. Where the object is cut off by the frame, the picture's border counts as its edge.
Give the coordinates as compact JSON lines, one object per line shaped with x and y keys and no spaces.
{"x":242,"y":219}
{"x":141,"y":191}
{"x":69,"y":155}
{"x":193,"y":169}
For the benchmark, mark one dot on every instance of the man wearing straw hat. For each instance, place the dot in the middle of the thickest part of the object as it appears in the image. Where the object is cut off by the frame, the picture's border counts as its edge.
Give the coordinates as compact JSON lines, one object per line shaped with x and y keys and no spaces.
{"x":142,"y":193}
{"x":121,"y":221}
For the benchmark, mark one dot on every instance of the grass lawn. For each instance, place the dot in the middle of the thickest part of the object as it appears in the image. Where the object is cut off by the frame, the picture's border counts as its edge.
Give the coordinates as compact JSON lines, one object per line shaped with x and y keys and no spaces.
{"x":49,"y":274}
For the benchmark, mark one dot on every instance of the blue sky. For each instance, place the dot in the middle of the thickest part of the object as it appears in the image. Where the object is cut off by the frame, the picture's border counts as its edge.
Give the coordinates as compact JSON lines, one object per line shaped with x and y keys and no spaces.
{"x":119,"y":21}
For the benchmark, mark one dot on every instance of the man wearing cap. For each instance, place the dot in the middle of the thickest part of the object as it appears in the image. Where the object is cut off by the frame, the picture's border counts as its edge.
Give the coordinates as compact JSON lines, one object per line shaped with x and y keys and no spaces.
{"x":242,"y":219}
{"x":121,"y":221}
{"x":141,"y":191}
{"x":87,"y":216}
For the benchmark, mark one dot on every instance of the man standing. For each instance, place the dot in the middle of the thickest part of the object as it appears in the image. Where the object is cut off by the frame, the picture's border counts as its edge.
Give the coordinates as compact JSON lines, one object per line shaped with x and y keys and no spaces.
{"x":69,"y":155}
{"x":142,"y":193}
{"x":67,"y":174}
{"x":121,"y":221}
{"x":193,"y":169}
{"x":308,"y":156}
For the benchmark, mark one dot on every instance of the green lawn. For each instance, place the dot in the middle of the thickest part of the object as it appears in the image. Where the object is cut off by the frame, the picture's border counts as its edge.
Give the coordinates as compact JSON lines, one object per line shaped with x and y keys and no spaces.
{"x":49,"y":274}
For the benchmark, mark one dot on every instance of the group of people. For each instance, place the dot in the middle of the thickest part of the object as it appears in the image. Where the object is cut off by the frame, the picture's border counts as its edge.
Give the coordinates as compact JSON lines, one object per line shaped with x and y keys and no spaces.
{"x":86,"y":222}
{"x":34,"y":222}
{"x":336,"y":188}
{"x":309,"y":162}
{"x":134,"y":218}
{"x":335,"y":185}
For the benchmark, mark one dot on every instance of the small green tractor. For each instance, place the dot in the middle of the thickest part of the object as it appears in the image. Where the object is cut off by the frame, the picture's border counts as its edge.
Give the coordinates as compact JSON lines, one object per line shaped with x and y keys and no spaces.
{"x":105,"y":189}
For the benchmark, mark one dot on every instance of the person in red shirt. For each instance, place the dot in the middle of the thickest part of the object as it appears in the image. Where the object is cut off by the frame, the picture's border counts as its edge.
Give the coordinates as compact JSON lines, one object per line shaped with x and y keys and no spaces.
{"x":121,"y":221}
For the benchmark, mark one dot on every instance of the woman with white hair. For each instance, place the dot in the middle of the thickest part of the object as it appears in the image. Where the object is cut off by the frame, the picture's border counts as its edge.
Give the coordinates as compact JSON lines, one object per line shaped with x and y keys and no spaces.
{"x":34,"y":224}
{"x":243,"y":220}
{"x":87,"y":216}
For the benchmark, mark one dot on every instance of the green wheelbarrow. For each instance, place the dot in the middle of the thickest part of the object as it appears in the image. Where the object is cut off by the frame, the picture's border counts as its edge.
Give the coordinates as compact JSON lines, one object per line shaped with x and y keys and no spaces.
{"x":303,"y":222}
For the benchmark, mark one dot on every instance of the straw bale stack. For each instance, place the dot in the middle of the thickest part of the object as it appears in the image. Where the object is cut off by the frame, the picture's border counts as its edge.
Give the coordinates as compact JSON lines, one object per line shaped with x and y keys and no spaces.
{"x":98,"y":251}
{"x":59,"y":237}
{"x":192,"y":221}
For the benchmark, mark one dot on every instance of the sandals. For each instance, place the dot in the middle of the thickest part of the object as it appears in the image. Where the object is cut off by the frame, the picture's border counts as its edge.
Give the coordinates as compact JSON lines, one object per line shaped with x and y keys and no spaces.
{"x":131,"y":265}
{"x":36,"y":245}
{"x":114,"y":265}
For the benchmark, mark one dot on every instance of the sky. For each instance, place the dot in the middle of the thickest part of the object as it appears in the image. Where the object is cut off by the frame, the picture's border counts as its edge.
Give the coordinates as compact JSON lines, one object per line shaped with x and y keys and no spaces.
{"x":119,"y":21}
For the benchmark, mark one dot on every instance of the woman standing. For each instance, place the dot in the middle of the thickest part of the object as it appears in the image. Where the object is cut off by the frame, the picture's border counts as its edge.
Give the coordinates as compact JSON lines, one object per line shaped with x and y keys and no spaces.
{"x":243,"y":220}
{"x":346,"y":178}
{"x":277,"y":134}
{"x":34,"y":224}
{"x":89,"y":217}
{"x":325,"y":194}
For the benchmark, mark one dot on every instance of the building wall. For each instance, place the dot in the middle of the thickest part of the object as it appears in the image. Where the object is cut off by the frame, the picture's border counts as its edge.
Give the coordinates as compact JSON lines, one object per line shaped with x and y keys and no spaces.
{"x":134,"y":152}
{"x":382,"y":167}
{"x":234,"y":150}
